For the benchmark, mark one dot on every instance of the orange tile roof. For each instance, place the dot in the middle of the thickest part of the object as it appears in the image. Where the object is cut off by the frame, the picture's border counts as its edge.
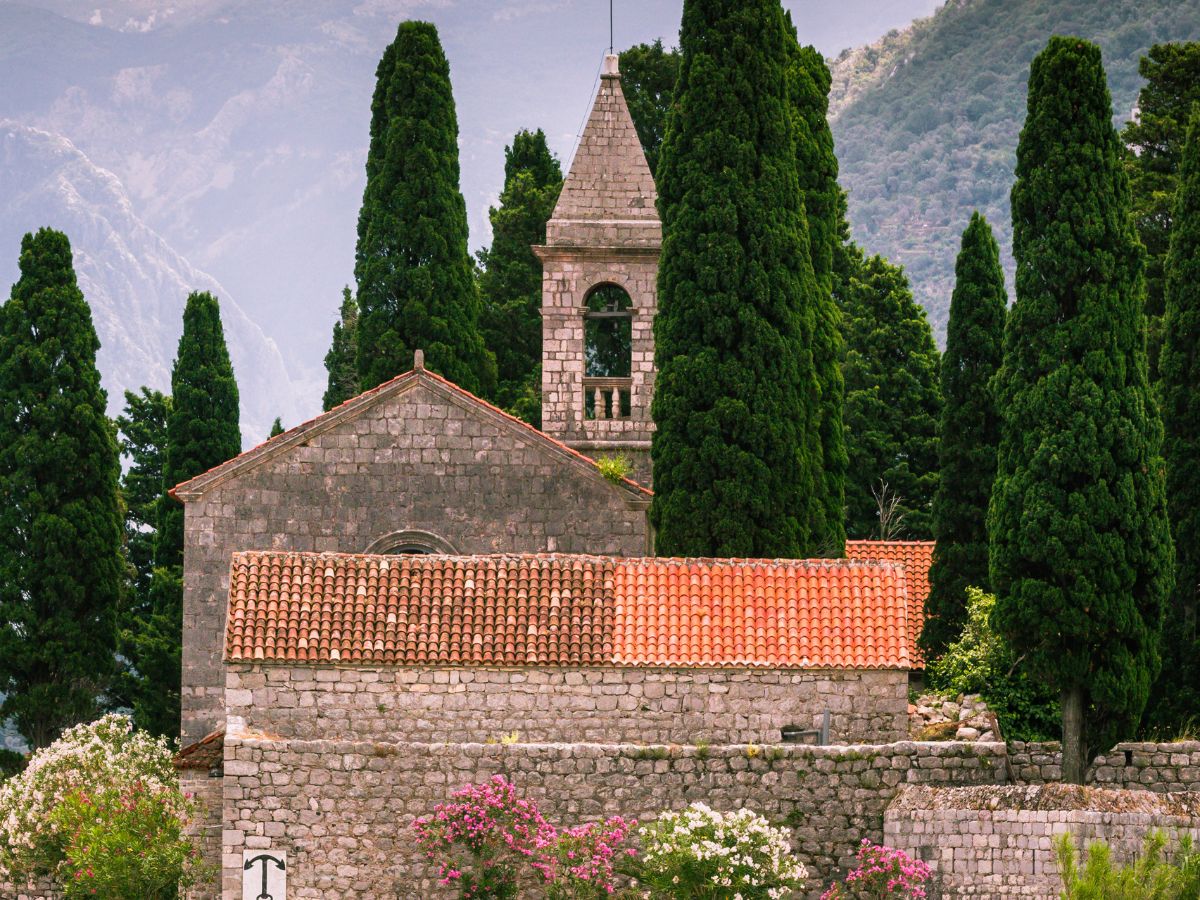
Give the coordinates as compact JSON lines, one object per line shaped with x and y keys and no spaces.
{"x":916,"y":557}
{"x":565,"y":610}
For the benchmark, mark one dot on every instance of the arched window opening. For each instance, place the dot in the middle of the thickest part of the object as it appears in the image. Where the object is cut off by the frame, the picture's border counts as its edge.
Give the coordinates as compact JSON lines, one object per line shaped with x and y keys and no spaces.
{"x":608,"y":353}
{"x":411,"y":542}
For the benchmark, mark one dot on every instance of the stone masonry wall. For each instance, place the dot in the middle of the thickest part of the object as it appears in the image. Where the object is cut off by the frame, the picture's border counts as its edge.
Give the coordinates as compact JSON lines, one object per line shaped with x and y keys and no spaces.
{"x":999,"y":841}
{"x":1162,"y":768}
{"x":342,"y":810}
{"x":564,"y":705}
{"x":207,"y":788}
{"x":421,"y":460}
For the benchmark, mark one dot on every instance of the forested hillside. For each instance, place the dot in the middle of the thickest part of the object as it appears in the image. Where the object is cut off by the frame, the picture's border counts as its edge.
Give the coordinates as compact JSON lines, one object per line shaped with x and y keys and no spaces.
{"x":926,"y":120}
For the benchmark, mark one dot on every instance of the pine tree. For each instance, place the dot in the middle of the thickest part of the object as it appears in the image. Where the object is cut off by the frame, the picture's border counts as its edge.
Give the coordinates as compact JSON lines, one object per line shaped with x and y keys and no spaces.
{"x":735,"y":289}
{"x":1081,"y":557}
{"x":817,"y":169}
{"x":893,"y":402}
{"x":511,"y":281}
{"x":416,"y":283}
{"x":967,"y":437}
{"x":1155,"y":141}
{"x":648,"y":76}
{"x":1176,"y":695}
{"x":61,"y":570}
{"x":340,"y":362}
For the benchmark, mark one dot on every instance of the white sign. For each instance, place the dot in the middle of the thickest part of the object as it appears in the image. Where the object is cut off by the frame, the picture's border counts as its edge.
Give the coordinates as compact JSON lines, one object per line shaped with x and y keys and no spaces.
{"x":264,"y":875}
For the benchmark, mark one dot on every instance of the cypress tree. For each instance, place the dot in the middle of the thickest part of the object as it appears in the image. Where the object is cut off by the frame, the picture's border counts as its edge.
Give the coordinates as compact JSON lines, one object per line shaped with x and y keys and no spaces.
{"x":1081,"y":557}
{"x":817,"y":169}
{"x":967,"y":436}
{"x":61,"y":570}
{"x":1177,"y":693}
{"x":893,"y":402}
{"x":340,"y":362}
{"x":511,"y":281}
{"x":416,"y":283}
{"x":735,"y":287}
{"x":276,"y":428}
{"x":1155,"y":141}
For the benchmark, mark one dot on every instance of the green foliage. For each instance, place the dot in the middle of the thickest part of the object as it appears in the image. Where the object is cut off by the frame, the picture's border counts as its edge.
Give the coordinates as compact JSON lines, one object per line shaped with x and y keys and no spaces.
{"x":981,"y":662}
{"x":1081,"y":557}
{"x":648,"y":76}
{"x":967,"y":435}
{"x":927,"y":118}
{"x":341,"y":363}
{"x":817,"y":169}
{"x":1176,"y":695}
{"x":61,"y":571}
{"x":416,"y":284}
{"x":615,"y":468}
{"x":735,"y":322}
{"x":893,"y":402}
{"x":1155,"y":875}
{"x":511,"y":281}
{"x":276,"y":428}
{"x":1155,"y":140}
{"x":11,"y":763}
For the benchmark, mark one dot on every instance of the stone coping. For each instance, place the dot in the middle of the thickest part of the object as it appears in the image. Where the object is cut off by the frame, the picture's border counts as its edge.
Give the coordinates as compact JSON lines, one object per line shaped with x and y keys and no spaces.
{"x":1046,"y":798}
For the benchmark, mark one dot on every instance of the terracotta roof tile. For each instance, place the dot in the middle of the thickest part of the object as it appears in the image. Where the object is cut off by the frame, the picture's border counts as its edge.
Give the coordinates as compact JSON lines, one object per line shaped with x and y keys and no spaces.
{"x":562,"y":610}
{"x":206,"y":753}
{"x":916,"y":557}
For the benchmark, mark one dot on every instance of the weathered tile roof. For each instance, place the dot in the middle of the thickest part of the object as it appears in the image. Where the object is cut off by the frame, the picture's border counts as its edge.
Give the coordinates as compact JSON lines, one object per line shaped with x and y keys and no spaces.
{"x":565,"y":610}
{"x":206,"y":753}
{"x":916,"y":557}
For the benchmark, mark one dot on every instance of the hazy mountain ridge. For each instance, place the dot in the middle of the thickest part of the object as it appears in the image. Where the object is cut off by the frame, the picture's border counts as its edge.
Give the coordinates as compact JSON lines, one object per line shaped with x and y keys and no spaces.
{"x":927,"y":119}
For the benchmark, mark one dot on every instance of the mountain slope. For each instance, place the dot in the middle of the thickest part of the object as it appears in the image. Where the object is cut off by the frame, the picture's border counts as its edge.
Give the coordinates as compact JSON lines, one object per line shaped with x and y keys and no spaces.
{"x":133,"y":280}
{"x":926,"y":120}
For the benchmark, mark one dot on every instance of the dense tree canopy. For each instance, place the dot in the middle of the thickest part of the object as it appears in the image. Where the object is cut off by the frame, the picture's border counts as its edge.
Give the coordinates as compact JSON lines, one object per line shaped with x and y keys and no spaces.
{"x":732,"y":471}
{"x":61,"y":570}
{"x":1081,"y":557}
{"x":341,"y":364}
{"x":1155,"y":139}
{"x":893,"y":402}
{"x":416,"y":284}
{"x":511,"y":280}
{"x":648,"y":75}
{"x":1176,"y":696}
{"x":968,"y":433}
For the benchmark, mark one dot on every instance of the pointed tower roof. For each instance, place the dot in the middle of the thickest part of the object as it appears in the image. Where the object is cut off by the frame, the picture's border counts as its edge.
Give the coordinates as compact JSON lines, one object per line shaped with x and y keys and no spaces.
{"x":608,"y":199}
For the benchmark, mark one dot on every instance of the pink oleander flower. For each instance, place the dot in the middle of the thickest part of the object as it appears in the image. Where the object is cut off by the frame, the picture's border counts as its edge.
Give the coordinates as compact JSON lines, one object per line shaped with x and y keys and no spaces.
{"x":882,"y":872}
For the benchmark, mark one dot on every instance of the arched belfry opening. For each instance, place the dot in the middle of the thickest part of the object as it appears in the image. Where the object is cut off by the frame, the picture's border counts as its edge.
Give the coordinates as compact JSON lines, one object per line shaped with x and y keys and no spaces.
{"x":599,"y":275}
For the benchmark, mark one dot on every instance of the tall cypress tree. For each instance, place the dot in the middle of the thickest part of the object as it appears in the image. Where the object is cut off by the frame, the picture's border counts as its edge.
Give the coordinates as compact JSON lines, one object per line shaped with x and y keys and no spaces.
{"x":341,"y":364}
{"x":1081,"y":557}
{"x":817,"y":169}
{"x":893,"y":401}
{"x":61,"y":570}
{"x":416,"y":284}
{"x":1177,"y":693}
{"x":967,"y":437}
{"x":735,"y":289}
{"x":511,"y":281}
{"x":1155,"y":141}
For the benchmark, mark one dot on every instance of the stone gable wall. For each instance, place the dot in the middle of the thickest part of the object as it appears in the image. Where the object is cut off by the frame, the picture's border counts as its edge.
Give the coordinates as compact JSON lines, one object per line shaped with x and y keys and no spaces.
{"x":415,"y":461}
{"x":342,"y":810}
{"x":565,"y":705}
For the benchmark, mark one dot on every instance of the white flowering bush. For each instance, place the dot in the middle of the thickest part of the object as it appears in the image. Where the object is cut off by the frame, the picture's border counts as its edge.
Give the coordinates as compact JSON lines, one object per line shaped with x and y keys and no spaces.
{"x":702,"y":853}
{"x":108,"y":756}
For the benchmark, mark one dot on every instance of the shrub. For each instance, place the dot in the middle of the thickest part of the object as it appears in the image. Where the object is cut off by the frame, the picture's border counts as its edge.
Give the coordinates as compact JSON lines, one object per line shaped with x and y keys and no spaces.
{"x":981,"y":662}
{"x":615,"y":468}
{"x":41,"y":809}
{"x":1154,"y":875}
{"x":580,"y":864}
{"x":882,"y":872}
{"x":701,"y":853}
{"x":11,"y":763}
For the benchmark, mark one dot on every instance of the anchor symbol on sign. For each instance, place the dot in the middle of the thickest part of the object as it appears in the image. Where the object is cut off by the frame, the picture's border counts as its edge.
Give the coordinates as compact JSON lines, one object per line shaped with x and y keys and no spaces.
{"x":264,"y":858}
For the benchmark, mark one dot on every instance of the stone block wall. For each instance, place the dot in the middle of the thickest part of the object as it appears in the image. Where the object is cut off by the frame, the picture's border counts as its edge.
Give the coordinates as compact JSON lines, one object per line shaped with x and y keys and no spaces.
{"x":207,"y":787}
{"x":423,"y":460}
{"x":998,"y":841}
{"x":342,"y":810}
{"x":564,"y":705}
{"x":1137,"y":765}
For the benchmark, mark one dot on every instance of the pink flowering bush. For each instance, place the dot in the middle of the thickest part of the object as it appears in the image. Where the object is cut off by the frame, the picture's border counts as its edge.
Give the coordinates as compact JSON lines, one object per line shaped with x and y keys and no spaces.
{"x":882,"y":872}
{"x":489,"y":843}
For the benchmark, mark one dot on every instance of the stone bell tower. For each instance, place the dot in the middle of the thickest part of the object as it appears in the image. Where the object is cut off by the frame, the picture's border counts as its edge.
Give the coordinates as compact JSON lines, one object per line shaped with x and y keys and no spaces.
{"x":599,"y":290}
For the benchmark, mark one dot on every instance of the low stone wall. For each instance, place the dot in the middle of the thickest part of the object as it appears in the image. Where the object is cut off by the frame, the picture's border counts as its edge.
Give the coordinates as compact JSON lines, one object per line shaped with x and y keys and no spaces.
{"x":548,"y":705}
{"x":342,"y":810}
{"x":1162,"y":768}
{"x":207,"y":787}
{"x":998,"y":841}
